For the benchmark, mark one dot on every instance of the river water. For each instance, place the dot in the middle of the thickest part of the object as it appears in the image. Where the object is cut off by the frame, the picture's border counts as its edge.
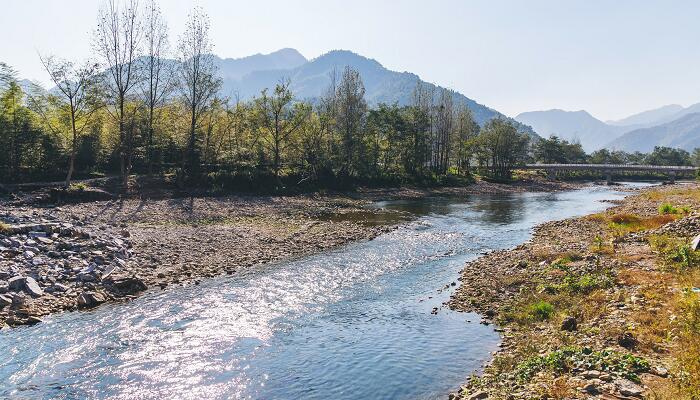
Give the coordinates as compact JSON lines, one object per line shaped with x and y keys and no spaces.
{"x":354,"y":323}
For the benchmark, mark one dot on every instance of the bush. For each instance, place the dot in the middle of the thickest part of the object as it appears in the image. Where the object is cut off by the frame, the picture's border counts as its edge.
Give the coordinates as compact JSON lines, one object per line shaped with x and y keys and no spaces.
{"x":4,"y":227}
{"x":667,"y":208}
{"x":567,"y":358}
{"x":541,"y":310}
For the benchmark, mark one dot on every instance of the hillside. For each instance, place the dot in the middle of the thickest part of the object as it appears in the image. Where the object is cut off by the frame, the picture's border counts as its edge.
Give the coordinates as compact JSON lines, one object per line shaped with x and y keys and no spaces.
{"x":683,"y":133}
{"x":649,"y":118}
{"x":310,"y":79}
{"x":571,"y":125}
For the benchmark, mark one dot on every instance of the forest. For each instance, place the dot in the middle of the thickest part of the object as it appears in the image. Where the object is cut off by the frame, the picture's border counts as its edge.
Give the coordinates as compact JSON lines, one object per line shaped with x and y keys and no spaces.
{"x":140,"y":106}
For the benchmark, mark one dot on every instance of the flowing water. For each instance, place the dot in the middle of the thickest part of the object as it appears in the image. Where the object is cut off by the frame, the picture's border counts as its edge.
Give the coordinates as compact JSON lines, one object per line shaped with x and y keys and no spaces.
{"x":354,"y":323}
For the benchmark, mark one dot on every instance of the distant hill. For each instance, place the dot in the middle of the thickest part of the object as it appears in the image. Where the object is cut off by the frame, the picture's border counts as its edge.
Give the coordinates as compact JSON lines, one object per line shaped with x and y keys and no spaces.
{"x":651,"y":117}
{"x":574,"y":126}
{"x":683,"y":133}
{"x":237,"y":68}
{"x":310,"y":79}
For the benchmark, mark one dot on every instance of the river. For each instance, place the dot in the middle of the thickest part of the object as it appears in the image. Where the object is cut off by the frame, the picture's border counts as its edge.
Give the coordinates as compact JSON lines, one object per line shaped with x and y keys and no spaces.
{"x":353,"y":323}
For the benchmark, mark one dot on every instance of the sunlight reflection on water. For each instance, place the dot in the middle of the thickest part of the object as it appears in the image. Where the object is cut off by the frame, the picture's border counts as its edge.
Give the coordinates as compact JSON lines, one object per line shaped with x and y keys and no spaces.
{"x":348,"y":324}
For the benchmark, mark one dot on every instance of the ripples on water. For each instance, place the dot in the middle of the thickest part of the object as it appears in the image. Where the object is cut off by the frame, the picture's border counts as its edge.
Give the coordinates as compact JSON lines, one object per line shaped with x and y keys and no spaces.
{"x":354,"y":323}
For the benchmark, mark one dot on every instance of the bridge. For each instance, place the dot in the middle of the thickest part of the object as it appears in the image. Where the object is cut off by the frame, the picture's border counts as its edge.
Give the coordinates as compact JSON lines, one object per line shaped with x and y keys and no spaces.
{"x":609,"y":169}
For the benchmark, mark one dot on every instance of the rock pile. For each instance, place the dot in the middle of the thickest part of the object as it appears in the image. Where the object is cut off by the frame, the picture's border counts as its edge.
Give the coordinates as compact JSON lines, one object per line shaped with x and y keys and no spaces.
{"x":48,"y":265}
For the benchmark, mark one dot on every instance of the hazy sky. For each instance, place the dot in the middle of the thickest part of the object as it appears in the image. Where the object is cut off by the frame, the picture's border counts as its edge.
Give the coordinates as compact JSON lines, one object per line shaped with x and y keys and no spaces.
{"x":612,"y":58}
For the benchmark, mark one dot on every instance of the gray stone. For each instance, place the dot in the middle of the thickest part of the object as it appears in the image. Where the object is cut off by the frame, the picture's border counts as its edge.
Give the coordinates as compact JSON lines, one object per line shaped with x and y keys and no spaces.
{"x":90,"y":299}
{"x":628,"y":388}
{"x":26,"y":284}
{"x":695,"y":244}
{"x":5,"y":300}
{"x":4,"y":286}
{"x":478,"y":396}
{"x":131,"y":285}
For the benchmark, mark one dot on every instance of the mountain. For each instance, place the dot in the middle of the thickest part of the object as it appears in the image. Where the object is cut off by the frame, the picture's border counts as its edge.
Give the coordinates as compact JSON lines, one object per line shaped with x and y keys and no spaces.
{"x":651,"y":117}
{"x":683,"y":133}
{"x":571,"y":125}
{"x":237,"y":68}
{"x":310,"y":79}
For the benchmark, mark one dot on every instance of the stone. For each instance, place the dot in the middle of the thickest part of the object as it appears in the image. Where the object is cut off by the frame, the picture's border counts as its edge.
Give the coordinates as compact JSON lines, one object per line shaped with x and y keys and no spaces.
{"x":591,"y":374}
{"x":478,"y":396}
{"x":44,"y":240}
{"x":628,"y":388}
{"x":660,"y":371}
{"x":4,"y":287}
{"x":130,"y":285}
{"x":90,"y":299}
{"x":26,"y":284}
{"x":627,"y":340}
{"x":5,"y":300}
{"x":569,"y":324}
{"x":695,"y":244}
{"x":591,"y":388}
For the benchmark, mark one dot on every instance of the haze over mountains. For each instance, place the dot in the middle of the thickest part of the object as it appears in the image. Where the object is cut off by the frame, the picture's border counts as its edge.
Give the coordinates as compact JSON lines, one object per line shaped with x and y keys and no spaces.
{"x":247,"y":77}
{"x":671,"y":125}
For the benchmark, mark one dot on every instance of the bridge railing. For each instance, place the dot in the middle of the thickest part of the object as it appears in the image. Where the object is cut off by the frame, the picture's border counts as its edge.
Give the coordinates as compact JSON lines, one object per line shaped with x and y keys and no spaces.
{"x":627,"y":167}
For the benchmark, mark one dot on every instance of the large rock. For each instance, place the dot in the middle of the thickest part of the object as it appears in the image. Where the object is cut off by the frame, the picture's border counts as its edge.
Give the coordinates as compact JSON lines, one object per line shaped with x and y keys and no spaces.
{"x":90,"y":299}
{"x":5,"y":300}
{"x":695,"y":244}
{"x":569,"y":324}
{"x":26,"y":284}
{"x":130,"y":285}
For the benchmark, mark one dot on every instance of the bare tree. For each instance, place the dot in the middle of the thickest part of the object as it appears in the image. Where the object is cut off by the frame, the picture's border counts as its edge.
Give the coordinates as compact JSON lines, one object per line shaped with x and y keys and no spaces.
{"x":197,"y":81}
{"x":117,"y":40}
{"x":76,"y":104}
{"x":351,"y":110}
{"x":157,"y":71}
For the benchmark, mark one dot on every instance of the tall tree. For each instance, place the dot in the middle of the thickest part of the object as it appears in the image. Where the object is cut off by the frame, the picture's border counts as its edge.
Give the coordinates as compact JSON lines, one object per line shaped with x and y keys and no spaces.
{"x":197,"y":81}
{"x":501,"y":147}
{"x":76,"y":103}
{"x":351,"y":108}
{"x":157,"y":72}
{"x":280,"y":119}
{"x":117,"y":40}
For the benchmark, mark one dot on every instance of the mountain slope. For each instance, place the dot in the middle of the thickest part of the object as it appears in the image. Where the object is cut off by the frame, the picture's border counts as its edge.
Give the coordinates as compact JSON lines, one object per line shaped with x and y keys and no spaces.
{"x":649,"y":118}
{"x":311,"y":79}
{"x":683,"y":133}
{"x":236,"y":68}
{"x":571,"y":125}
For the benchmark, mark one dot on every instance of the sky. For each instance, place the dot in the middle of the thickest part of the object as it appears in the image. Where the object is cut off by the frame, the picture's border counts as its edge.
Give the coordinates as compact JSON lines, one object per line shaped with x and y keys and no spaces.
{"x":612,"y":58}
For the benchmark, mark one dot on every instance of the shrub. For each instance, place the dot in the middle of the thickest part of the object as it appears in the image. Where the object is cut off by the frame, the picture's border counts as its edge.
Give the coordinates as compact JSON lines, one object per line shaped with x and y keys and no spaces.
{"x":618,"y":364}
{"x":541,"y":310}
{"x":77,"y":187}
{"x":667,"y":208}
{"x":4,"y":227}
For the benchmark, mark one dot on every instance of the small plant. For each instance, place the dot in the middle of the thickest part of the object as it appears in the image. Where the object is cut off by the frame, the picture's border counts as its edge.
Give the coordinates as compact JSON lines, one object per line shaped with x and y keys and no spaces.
{"x":541,"y":310}
{"x":77,"y":187}
{"x":4,"y":228}
{"x":667,"y":208}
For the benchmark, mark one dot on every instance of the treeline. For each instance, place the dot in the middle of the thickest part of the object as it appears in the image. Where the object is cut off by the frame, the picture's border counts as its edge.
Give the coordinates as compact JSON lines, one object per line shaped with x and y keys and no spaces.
{"x":132,"y":109}
{"x":557,"y":151}
{"x":138,"y":107}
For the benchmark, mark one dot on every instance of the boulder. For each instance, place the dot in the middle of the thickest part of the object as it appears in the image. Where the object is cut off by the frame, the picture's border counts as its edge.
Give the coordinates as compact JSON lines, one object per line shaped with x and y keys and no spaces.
{"x":628,"y":388}
{"x":569,"y":324}
{"x":129,"y":285}
{"x":695,"y":244}
{"x":627,"y":340}
{"x":26,"y":284}
{"x":90,"y":299}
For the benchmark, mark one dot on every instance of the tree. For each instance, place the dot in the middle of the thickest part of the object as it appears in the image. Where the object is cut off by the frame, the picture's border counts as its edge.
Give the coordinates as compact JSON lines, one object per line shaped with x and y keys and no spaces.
{"x":556,"y":151}
{"x":77,"y":102}
{"x":668,"y":156}
{"x":117,"y":40}
{"x":197,"y":81}
{"x":501,"y":147}
{"x":465,"y":130}
{"x":279,"y":119}
{"x":157,"y":72}
{"x":351,"y":108}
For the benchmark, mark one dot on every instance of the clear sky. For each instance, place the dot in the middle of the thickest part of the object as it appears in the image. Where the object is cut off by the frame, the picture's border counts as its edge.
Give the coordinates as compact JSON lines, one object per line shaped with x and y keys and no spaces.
{"x":609,"y":57}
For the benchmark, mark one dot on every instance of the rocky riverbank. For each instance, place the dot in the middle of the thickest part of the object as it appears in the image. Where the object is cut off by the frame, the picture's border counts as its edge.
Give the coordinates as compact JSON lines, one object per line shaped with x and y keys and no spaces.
{"x":82,"y":255}
{"x":603,"y":306}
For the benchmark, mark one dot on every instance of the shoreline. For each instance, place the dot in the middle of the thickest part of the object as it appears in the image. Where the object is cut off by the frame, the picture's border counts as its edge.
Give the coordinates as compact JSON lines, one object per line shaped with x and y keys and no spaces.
{"x":572,"y":304}
{"x":78,"y":256}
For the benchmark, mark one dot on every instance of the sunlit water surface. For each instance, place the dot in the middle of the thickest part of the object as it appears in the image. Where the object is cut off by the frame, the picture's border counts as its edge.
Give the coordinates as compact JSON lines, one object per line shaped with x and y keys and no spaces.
{"x":354,"y":323}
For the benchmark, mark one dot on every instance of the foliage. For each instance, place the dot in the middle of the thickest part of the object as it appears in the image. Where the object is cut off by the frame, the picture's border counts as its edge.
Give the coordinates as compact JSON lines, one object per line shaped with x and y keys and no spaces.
{"x":667,"y":208}
{"x":675,"y":252}
{"x":565,"y":359}
{"x":541,"y":310}
{"x":557,"y":151}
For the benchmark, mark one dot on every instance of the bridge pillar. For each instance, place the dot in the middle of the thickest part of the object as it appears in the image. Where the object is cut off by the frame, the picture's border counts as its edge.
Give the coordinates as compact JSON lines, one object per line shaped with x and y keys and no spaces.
{"x":672,"y":177}
{"x":551,"y":174}
{"x":608,"y":177}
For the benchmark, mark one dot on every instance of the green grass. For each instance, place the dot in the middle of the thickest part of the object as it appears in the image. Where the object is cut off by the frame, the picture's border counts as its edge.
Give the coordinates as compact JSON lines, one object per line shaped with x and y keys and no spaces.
{"x":541,"y":310}
{"x":667,"y":208}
